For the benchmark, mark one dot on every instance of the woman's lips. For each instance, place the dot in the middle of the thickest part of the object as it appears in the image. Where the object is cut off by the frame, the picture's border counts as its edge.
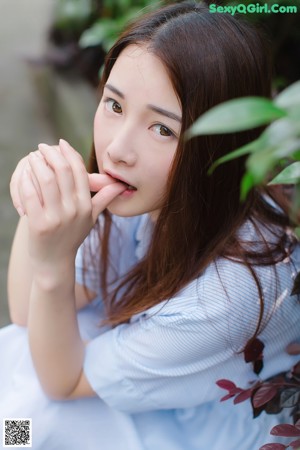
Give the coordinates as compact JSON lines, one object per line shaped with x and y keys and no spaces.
{"x":122,"y":180}
{"x":131,"y":188}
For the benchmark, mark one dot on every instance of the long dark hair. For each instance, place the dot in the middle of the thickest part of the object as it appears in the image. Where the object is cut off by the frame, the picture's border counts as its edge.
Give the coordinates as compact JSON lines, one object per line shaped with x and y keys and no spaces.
{"x":210,"y":58}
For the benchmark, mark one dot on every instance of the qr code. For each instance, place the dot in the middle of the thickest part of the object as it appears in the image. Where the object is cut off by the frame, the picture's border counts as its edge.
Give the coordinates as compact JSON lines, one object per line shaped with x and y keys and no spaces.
{"x":17,"y":433}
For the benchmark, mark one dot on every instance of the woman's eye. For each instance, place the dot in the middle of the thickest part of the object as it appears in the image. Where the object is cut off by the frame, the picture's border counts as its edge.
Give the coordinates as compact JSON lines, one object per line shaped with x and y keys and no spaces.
{"x":114,"y":106}
{"x":163,"y":130}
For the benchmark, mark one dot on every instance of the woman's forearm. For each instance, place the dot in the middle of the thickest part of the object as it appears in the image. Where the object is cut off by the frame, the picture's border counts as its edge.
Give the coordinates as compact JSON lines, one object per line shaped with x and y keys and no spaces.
{"x":19,"y":275}
{"x":56,"y":346}
{"x":54,"y":192}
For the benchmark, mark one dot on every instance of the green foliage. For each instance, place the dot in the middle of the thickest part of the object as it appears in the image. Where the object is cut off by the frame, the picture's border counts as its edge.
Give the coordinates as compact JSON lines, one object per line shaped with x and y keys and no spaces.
{"x":115,"y":15}
{"x":99,"y":20}
{"x":72,"y":14}
{"x":289,"y":175}
{"x":237,"y":115}
{"x":277,"y":146}
{"x":102,"y":32}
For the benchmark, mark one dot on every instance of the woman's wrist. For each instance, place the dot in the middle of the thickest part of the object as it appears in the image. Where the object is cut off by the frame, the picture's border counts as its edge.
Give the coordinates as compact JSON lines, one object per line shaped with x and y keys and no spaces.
{"x":55,"y":277}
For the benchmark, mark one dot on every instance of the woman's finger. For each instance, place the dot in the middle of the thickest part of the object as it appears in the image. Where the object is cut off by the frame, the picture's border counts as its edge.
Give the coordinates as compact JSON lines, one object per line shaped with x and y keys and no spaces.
{"x":97,"y":181}
{"x":105,"y":196}
{"x":29,"y":197}
{"x":47,"y":182}
{"x":106,"y":187}
{"x":15,"y":184}
{"x":34,"y":179}
{"x":79,"y":171}
{"x":63,"y":170}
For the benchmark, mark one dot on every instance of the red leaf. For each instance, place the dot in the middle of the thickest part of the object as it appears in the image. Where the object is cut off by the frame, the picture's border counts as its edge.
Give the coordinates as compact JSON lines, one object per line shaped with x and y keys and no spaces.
{"x":226,"y":384}
{"x":226,"y":397}
{"x":244,"y":395}
{"x":295,"y":444}
{"x":296,"y":369}
{"x":253,"y":350}
{"x":258,"y":366}
{"x":285,"y":430}
{"x":273,"y":447}
{"x":263,"y":395}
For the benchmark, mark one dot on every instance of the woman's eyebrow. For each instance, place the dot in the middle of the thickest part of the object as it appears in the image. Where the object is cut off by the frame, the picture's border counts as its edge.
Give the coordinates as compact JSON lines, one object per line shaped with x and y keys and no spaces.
{"x":114,"y":90}
{"x":164,"y":112}
{"x":154,"y":108}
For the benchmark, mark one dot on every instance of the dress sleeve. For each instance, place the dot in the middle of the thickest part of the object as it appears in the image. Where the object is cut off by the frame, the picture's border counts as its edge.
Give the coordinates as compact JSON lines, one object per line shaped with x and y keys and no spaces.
{"x":172,"y":355}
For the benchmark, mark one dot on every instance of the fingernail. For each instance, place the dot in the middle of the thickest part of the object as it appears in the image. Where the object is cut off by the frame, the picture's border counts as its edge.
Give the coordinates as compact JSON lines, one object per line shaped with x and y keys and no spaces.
{"x":43,"y":146}
{"x":20,"y":211}
{"x":63,"y":142}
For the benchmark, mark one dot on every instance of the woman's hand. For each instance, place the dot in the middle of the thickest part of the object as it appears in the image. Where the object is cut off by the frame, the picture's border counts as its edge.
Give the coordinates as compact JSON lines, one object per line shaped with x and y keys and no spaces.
{"x":51,"y":186}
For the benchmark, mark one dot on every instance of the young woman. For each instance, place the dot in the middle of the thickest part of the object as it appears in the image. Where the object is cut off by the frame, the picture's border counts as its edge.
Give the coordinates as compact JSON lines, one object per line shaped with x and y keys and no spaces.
{"x":179,"y":274}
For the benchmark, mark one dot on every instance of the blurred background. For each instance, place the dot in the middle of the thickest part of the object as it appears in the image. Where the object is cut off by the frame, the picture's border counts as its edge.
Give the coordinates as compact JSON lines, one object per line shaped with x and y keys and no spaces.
{"x":51,"y":54}
{"x":23,"y":28}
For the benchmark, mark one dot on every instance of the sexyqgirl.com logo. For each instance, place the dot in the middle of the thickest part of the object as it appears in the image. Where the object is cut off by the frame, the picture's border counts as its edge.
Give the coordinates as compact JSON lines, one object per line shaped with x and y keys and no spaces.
{"x":252,"y":8}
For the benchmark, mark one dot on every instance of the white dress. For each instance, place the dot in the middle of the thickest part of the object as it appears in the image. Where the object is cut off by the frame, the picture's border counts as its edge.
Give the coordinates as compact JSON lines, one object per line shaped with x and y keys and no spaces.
{"x":156,"y":377}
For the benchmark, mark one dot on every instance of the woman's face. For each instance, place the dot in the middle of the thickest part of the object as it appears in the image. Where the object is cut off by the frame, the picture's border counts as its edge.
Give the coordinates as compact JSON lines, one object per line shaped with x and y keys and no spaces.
{"x":136,"y":130}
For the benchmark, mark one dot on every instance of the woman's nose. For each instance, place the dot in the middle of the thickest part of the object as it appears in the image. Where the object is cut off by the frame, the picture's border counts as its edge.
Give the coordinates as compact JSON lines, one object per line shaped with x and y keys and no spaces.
{"x":116,"y":158}
{"x":120,"y":150}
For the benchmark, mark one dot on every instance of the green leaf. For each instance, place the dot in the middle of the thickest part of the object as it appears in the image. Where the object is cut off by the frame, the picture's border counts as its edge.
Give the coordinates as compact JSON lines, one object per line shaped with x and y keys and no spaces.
{"x":296,"y":155}
{"x":246,"y":184}
{"x":279,"y":131}
{"x":72,"y":12}
{"x":244,"y":150}
{"x":289,"y":175}
{"x":289,"y":97}
{"x":262,"y":162}
{"x":236,"y":115}
{"x":101,"y":31}
{"x":287,"y":150}
{"x":259,"y":175}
